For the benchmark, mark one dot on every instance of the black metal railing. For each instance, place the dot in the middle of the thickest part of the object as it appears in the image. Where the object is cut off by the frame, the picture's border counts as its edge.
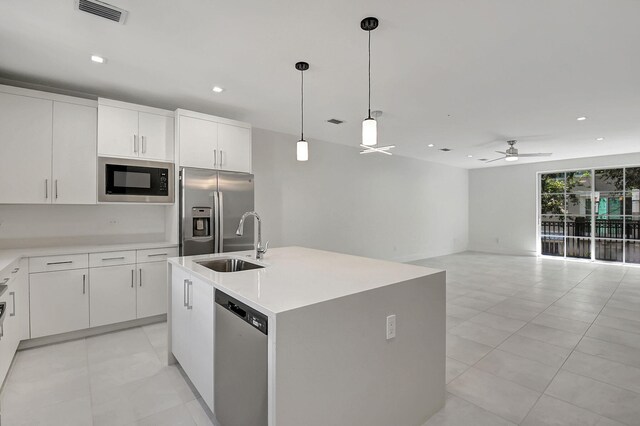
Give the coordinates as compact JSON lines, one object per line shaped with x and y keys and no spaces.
{"x":608,"y":245}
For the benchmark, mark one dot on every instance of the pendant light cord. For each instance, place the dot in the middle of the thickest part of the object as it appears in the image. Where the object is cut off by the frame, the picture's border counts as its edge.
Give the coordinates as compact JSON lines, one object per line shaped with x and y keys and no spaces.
{"x":302,"y":105}
{"x":369,"y":73}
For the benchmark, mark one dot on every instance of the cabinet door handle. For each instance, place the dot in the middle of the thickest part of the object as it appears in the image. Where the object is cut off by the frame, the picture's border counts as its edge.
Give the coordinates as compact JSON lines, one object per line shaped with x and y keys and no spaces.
{"x":221,"y":158}
{"x":55,"y":184}
{"x":84,"y":284}
{"x":157,"y":254}
{"x":215,"y":157}
{"x":132,"y":277}
{"x":189,"y":286}
{"x":144,"y":144}
{"x":135,"y":144}
{"x":6,"y":280}
{"x":66,"y":262}
{"x":140,"y":276}
{"x":13,"y":295}
{"x":15,"y":271}
{"x":46,"y":189}
{"x":184,"y":293}
{"x":113,"y":258}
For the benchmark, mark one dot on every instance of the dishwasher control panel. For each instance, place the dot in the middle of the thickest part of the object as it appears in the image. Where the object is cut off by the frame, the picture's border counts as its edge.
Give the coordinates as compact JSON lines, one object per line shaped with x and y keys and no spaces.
{"x":256,"y":319}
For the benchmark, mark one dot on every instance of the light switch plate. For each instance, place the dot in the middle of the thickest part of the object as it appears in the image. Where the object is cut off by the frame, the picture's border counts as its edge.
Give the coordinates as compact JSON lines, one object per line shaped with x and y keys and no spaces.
{"x":391,"y":327}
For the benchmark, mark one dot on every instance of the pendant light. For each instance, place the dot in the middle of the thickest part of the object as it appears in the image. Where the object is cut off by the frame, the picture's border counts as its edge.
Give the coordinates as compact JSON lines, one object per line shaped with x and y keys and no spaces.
{"x":302,"y":148}
{"x":369,"y":125}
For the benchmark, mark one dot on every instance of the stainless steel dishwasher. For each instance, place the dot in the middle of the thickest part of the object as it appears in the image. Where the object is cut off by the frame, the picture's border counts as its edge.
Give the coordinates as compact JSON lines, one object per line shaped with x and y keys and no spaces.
{"x":240,"y":363}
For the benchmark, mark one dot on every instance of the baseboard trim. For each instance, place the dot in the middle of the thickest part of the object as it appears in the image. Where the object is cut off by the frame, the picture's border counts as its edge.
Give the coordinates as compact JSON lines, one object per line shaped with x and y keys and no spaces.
{"x":88,"y":332}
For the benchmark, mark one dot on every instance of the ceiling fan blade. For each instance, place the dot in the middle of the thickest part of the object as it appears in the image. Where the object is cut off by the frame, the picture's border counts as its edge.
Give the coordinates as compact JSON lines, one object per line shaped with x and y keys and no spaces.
{"x":501,"y":152}
{"x":538,"y":154}
{"x":491,"y":161}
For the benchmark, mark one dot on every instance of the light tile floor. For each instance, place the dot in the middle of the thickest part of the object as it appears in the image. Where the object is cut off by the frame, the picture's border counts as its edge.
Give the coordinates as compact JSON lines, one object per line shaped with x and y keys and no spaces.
{"x":120,"y":378}
{"x":529,"y":342}
{"x":540,"y":342}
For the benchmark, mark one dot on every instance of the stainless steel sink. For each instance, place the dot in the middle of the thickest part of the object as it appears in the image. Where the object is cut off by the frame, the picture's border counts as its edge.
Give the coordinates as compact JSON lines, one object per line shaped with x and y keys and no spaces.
{"x":229,"y":265}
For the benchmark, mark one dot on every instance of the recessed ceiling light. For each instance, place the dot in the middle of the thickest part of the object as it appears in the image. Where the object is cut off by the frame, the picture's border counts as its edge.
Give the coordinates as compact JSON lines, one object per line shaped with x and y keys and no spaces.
{"x":431,"y":145}
{"x":599,"y":139}
{"x":218,"y":89}
{"x":97,"y":59}
{"x":469,"y":156}
{"x":581,"y":118}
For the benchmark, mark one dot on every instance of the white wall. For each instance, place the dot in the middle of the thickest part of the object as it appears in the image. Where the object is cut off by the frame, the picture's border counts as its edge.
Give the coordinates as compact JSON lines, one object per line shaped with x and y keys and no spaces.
{"x":42,"y":225}
{"x":502,"y":202}
{"x":374,"y":205}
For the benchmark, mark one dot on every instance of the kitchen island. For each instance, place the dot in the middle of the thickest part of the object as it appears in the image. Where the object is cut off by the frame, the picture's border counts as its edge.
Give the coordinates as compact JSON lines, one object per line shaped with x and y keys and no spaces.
{"x":350,"y":341}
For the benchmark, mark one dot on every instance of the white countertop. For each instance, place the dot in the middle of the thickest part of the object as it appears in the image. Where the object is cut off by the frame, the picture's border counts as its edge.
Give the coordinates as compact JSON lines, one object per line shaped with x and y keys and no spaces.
{"x":7,"y":257}
{"x":295,"y":277}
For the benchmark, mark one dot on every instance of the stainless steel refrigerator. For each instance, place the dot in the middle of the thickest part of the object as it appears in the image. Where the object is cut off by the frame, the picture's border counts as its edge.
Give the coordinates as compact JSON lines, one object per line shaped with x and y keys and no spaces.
{"x":211,"y":204}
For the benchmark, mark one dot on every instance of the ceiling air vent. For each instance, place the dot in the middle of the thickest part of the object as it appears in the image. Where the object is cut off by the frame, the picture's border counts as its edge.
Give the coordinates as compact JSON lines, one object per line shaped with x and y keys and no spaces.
{"x":102,"y":10}
{"x":335,"y":121}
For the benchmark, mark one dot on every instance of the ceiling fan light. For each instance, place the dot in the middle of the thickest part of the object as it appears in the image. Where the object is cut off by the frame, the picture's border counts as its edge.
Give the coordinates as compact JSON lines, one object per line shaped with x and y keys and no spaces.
{"x":369,"y":132}
{"x":302,"y":150}
{"x":512,"y":158}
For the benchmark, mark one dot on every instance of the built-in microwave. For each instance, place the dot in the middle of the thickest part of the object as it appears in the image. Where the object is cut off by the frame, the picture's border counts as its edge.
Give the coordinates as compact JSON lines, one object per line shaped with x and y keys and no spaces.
{"x":134,"y":181}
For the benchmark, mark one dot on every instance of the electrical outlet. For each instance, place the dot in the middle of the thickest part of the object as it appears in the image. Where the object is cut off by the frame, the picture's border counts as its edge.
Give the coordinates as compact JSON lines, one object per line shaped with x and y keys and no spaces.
{"x":391,"y":327}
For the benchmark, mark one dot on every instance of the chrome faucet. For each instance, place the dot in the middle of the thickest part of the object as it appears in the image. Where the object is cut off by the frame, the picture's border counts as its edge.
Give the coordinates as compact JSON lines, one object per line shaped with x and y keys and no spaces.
{"x":260,"y":251}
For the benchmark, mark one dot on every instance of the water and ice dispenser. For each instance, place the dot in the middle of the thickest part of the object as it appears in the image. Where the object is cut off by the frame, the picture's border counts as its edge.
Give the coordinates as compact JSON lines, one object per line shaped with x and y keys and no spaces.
{"x":202,"y":217}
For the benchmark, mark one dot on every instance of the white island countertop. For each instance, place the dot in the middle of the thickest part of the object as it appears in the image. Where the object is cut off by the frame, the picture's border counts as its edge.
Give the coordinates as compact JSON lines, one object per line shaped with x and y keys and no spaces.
{"x":294,"y":277}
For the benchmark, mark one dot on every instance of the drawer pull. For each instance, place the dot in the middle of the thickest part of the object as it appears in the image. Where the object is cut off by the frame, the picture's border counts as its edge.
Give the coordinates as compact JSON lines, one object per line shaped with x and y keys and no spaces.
{"x":157,"y":254}
{"x":15,"y":271}
{"x":66,"y":262}
{"x":113,"y":258}
{"x":6,"y":280}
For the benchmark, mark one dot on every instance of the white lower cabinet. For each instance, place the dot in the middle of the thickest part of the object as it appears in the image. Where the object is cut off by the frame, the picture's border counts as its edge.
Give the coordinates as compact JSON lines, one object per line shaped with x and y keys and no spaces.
{"x":113,"y":294}
{"x":192,"y":316}
{"x":152,"y":289}
{"x":59,"y":302}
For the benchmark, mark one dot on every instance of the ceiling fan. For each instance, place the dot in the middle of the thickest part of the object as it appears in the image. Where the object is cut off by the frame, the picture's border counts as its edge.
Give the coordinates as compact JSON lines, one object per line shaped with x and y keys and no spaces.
{"x":512,"y":153}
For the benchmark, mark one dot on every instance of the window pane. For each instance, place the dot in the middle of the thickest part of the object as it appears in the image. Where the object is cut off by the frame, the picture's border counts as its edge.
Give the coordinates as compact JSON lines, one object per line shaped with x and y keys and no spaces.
{"x":633,"y":178}
{"x":553,"y":246}
{"x":632,"y":254}
{"x":609,"y":250}
{"x":552,"y":204}
{"x":578,"y":181}
{"x":552,"y":225}
{"x":608,"y":204}
{"x":579,"y":204}
{"x":611,"y":227}
{"x":609,"y":180}
{"x":552,"y":183}
{"x":632,"y":203}
{"x":632,"y":228}
{"x":578,"y":226}
{"x":578,"y":248}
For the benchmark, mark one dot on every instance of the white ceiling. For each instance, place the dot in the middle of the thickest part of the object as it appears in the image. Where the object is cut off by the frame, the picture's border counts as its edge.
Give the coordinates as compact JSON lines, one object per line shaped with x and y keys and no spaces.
{"x":455,"y":73}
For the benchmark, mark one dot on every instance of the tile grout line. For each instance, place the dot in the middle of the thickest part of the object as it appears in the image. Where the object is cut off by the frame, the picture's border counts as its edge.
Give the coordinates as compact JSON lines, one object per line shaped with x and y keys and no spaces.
{"x":574,"y":349}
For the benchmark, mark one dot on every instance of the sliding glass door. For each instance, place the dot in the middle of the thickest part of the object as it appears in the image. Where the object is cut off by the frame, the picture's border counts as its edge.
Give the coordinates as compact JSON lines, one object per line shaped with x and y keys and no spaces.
{"x":590,"y":214}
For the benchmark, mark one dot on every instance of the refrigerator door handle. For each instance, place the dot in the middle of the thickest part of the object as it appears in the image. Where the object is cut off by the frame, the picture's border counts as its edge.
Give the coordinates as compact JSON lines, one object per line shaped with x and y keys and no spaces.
{"x":221,"y":222}
{"x":215,"y":216}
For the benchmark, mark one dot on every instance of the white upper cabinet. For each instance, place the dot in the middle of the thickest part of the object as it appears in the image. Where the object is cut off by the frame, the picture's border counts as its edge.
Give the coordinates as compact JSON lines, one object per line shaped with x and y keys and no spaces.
{"x":25,"y":149}
{"x":117,"y":132}
{"x":234,"y":144}
{"x":74,"y":154}
{"x":48,"y":148}
{"x":212,"y":142}
{"x":134,"y":131}
{"x":198,"y":143}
